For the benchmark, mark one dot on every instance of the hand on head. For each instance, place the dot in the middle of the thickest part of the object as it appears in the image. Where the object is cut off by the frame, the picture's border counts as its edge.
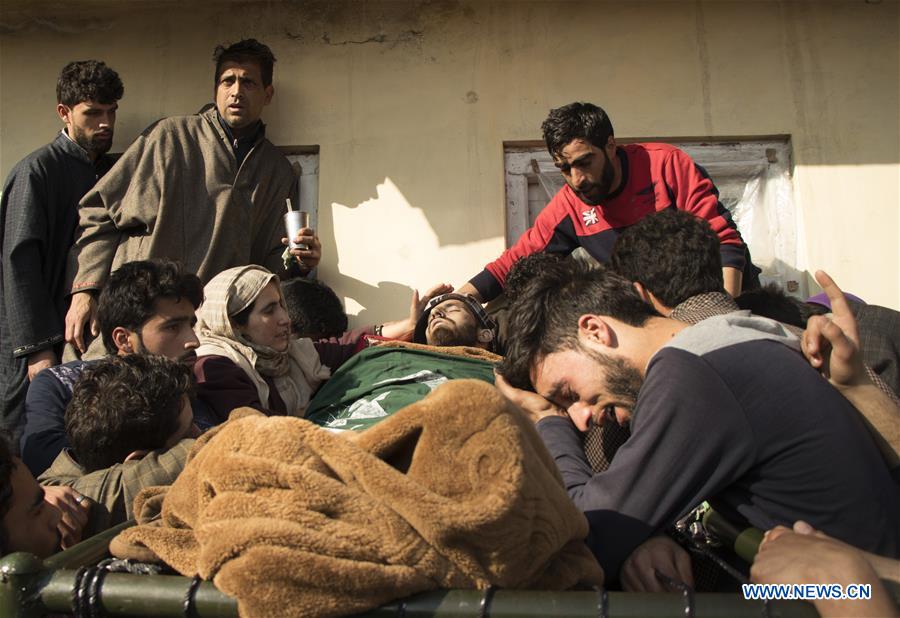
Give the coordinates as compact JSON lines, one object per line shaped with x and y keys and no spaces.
{"x":418,"y":303}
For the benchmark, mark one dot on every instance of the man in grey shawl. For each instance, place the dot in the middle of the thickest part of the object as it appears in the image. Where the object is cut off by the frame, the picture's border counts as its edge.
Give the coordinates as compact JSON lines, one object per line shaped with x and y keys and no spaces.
{"x":207,"y":190}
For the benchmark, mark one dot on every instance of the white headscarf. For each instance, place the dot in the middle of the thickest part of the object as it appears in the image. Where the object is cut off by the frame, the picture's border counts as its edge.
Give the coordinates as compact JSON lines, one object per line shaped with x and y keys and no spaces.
{"x":296,"y":372}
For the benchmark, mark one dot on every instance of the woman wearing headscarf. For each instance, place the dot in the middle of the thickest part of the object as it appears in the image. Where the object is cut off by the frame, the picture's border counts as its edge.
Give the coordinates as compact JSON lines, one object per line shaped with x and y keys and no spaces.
{"x":247,"y":356}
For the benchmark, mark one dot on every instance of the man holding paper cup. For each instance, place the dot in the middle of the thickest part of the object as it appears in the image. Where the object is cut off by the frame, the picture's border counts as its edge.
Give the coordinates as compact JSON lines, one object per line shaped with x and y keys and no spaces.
{"x":302,"y":243}
{"x":208,"y":190}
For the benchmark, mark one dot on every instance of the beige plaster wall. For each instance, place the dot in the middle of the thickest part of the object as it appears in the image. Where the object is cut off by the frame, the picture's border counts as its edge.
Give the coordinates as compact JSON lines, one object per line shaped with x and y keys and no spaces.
{"x":410,"y":103}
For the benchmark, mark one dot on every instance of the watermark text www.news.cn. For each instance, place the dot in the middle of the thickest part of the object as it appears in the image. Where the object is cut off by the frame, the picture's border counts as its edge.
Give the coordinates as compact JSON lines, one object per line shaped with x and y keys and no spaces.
{"x":806,"y":592}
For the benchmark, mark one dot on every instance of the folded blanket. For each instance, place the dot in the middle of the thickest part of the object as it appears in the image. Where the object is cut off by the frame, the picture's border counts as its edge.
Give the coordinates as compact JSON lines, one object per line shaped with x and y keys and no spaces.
{"x":455,"y":491}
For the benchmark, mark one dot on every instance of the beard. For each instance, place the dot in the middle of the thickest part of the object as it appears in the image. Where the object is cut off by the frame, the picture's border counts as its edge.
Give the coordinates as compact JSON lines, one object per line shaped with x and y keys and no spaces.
{"x":623,"y":381}
{"x":595,"y":193}
{"x":96,"y":145}
{"x":449,"y":334}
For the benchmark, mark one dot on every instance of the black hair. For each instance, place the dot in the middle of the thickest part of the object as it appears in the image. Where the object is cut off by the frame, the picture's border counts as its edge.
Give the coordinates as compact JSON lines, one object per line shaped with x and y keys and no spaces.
{"x":576,"y":121}
{"x":772,"y":302}
{"x":671,"y":253}
{"x":129,"y":297}
{"x":315,"y":310}
{"x":123,"y":404}
{"x":545,"y":313}
{"x":527,"y":268}
{"x":248,"y":50}
{"x":88,"y":80}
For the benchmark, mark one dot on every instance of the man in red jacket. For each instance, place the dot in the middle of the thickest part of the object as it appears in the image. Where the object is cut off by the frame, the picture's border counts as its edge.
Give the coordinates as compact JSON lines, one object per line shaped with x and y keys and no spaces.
{"x":609,"y":188}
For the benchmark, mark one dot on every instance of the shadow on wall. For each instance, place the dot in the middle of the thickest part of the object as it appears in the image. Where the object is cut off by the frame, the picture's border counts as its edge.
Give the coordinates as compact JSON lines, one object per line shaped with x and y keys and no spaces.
{"x":356,"y":291}
{"x":396,"y":237}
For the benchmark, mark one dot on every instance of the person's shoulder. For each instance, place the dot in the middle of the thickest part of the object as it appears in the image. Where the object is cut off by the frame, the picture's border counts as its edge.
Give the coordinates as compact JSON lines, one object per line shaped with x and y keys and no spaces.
{"x":174,"y":124}
{"x":47,"y":152}
{"x":683,"y":383}
{"x":694,"y":367}
{"x":158,"y":135}
{"x":214,"y":365}
{"x":67,"y":373}
{"x":63,"y":471}
{"x":672,"y":359}
{"x":731,"y":329}
{"x":160,"y":459}
{"x":674,"y":380}
{"x":163,"y":129}
{"x":36,"y":161}
{"x":213,"y":360}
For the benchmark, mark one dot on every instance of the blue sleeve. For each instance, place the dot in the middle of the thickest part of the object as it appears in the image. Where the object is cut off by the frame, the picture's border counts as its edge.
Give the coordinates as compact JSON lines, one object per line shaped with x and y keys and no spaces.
{"x":487,"y":285}
{"x":44,"y":436}
{"x":733,"y":256}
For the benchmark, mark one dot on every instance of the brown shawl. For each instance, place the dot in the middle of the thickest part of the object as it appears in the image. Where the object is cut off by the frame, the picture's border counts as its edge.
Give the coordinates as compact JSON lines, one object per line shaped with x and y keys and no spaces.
{"x":178,"y":193}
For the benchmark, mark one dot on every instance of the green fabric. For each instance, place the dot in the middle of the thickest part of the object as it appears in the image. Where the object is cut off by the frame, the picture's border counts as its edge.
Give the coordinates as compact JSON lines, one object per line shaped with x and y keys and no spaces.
{"x":381,"y":380}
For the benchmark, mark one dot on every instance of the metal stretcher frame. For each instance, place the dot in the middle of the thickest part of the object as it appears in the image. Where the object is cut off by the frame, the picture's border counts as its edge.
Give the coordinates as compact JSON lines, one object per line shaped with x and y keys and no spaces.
{"x":30,"y":587}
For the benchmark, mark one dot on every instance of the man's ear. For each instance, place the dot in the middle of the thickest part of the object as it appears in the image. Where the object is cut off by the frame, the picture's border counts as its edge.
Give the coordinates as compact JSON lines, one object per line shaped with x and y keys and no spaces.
{"x":136,"y":455}
{"x":595,"y":329}
{"x":485,"y":335}
{"x":63,"y":112}
{"x":270,"y":92}
{"x":121,"y":337}
{"x":611,"y":146}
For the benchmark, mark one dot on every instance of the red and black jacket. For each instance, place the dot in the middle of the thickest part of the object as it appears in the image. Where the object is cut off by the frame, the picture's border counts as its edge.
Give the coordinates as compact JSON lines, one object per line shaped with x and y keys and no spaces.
{"x":654,"y":177}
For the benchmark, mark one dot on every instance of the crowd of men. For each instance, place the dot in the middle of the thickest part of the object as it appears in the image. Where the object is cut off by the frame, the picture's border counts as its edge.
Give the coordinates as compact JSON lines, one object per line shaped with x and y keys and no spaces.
{"x":104,"y":265}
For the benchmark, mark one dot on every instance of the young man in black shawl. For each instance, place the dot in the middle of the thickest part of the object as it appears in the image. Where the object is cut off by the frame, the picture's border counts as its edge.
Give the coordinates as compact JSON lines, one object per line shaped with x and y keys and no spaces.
{"x":38,"y":217}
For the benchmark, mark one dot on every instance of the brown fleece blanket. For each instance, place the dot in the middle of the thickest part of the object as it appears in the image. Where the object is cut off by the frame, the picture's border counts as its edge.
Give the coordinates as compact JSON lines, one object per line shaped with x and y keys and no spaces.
{"x":455,"y":491}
